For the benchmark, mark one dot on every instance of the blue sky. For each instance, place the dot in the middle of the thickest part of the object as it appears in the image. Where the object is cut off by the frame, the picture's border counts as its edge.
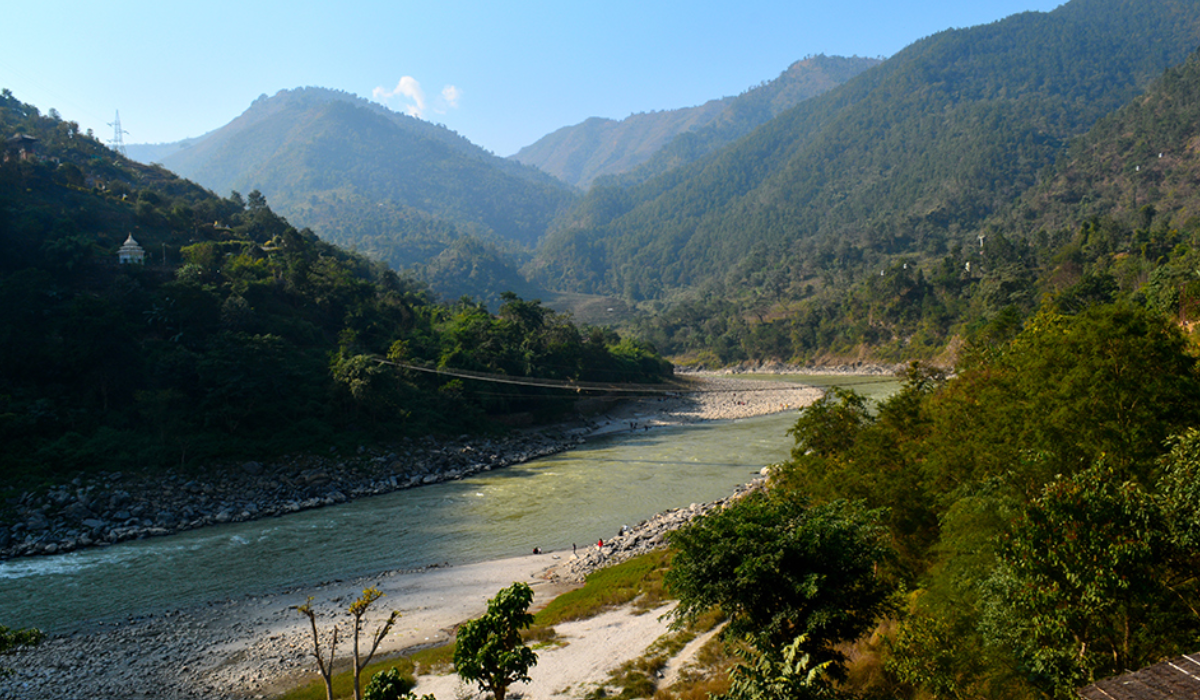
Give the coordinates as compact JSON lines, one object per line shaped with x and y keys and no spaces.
{"x":502,"y":74}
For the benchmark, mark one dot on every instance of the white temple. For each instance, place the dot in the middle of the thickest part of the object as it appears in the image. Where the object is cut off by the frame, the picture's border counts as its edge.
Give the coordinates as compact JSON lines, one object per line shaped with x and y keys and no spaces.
{"x":131,"y":252}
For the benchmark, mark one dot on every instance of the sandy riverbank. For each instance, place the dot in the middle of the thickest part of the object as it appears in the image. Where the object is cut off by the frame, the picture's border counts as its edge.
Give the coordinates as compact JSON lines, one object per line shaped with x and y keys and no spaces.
{"x":258,"y":646}
{"x":709,"y":397}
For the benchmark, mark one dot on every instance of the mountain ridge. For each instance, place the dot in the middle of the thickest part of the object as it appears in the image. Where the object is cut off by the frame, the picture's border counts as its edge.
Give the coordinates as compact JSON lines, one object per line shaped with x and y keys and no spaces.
{"x":599,"y":148}
{"x":908,"y":157}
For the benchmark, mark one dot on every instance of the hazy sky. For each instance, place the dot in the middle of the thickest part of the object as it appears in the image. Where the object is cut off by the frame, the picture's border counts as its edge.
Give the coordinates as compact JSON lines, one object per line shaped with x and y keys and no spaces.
{"x":503,"y":74}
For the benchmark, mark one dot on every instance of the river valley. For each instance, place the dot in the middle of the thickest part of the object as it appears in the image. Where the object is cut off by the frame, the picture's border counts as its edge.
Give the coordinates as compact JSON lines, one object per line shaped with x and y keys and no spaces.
{"x":573,"y":497}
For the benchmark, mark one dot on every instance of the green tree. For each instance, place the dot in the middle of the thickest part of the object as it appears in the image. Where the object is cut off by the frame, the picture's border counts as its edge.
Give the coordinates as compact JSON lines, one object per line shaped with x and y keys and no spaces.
{"x":489,"y":650}
{"x":1088,"y":584}
{"x":788,"y":675}
{"x":781,"y":570}
{"x":390,"y":685}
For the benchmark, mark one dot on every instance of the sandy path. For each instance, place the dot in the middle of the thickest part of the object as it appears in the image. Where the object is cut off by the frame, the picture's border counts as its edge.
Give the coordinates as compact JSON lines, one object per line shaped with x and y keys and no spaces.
{"x":586,"y":651}
{"x":257,"y":646}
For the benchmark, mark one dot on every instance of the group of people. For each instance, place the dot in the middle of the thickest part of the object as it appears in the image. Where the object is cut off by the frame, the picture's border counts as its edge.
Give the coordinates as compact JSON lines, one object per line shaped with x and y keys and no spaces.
{"x":599,"y":543}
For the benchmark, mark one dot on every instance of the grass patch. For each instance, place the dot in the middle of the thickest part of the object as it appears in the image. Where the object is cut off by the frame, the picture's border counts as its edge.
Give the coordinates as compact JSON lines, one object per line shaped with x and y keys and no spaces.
{"x":437,"y":661}
{"x":640,"y":578}
{"x":707,"y":674}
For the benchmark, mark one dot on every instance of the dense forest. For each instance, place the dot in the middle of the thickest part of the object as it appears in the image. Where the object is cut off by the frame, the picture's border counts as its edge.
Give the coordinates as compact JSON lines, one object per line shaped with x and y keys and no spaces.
{"x":1022,"y":529}
{"x":877,"y":215}
{"x":1041,"y":506}
{"x":239,"y":334}
{"x":1115,"y":217}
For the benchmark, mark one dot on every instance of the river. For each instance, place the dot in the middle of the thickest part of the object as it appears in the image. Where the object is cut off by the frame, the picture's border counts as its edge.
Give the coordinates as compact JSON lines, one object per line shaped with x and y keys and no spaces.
{"x":570,"y":498}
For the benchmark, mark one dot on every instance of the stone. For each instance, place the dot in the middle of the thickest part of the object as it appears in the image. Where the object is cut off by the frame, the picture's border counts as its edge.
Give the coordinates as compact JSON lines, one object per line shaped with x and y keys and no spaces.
{"x":78,"y":511}
{"x":37,"y":521}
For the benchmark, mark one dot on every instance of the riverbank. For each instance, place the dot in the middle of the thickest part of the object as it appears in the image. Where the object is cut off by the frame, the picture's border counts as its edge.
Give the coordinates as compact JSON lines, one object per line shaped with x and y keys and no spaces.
{"x":109,"y":508}
{"x":258,"y":646}
{"x":255,"y":646}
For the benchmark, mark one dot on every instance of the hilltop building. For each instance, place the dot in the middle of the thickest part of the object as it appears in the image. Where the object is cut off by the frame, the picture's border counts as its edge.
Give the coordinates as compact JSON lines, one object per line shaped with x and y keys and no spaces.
{"x":131,"y":252}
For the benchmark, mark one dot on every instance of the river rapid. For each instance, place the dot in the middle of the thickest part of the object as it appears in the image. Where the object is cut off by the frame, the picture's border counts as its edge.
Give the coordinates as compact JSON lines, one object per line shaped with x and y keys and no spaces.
{"x":570,"y":498}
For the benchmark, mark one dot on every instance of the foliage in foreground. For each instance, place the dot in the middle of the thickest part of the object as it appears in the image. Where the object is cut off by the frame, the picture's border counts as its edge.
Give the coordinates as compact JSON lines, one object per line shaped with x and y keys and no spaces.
{"x":794,"y":580}
{"x":1042,"y":509}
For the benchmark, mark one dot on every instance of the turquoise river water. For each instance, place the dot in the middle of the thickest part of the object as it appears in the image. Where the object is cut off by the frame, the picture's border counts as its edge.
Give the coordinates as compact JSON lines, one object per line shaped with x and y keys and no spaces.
{"x":573,"y":497}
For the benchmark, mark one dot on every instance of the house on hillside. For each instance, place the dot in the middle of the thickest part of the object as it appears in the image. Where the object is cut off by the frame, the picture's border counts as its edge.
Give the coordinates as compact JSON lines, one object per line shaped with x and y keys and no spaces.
{"x":19,"y":147}
{"x":1177,"y":679}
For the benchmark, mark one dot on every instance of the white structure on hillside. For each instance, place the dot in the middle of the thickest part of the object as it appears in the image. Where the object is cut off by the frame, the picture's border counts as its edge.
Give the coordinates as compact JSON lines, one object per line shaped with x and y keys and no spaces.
{"x":131,"y":252}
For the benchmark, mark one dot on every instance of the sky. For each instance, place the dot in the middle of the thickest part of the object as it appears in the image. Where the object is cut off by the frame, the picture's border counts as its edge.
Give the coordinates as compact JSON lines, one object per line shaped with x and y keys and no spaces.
{"x":502,"y":74}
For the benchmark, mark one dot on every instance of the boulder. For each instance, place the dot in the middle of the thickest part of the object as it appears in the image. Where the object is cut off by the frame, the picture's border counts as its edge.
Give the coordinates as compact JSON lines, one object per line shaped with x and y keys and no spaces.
{"x":37,"y":521}
{"x":77,"y":511}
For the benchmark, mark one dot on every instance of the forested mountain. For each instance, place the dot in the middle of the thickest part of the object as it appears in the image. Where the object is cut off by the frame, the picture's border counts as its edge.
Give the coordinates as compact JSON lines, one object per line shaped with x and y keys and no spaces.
{"x":1138,"y":165}
{"x":598,"y":147}
{"x":238,"y":335}
{"x":364,"y":176}
{"x":907,"y":158}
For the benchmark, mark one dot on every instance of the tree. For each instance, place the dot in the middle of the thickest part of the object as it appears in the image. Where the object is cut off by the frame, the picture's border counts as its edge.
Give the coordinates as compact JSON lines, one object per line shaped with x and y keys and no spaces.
{"x":324,"y":666}
{"x":782,"y":571}
{"x":390,"y":685}
{"x":789,"y":675}
{"x":489,"y":650}
{"x":358,"y":610}
{"x":12,"y":640}
{"x":1090,"y":583}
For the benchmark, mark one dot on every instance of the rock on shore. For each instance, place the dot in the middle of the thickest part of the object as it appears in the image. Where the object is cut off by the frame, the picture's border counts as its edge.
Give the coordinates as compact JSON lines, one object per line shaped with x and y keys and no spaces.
{"x":112,"y":507}
{"x":106,"y":508}
{"x":646,"y":536}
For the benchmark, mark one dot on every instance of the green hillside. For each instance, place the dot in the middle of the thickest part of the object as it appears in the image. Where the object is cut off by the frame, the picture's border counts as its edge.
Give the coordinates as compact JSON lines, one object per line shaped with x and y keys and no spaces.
{"x":367,"y":177}
{"x":238,"y":335}
{"x":907,"y":158}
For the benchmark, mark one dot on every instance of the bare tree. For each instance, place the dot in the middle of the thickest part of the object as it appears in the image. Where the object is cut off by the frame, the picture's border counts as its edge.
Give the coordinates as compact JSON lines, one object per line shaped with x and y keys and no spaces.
{"x":358,"y":610}
{"x":325,"y":667}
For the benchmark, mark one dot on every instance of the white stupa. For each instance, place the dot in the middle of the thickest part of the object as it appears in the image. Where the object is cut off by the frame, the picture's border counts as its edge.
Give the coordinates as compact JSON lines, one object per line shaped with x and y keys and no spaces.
{"x":131,"y":252}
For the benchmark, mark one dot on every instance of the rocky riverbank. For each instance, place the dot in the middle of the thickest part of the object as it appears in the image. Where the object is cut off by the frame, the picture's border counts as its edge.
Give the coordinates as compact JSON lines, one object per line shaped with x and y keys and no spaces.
{"x":645,"y":537}
{"x":258,"y":646}
{"x":106,"y":508}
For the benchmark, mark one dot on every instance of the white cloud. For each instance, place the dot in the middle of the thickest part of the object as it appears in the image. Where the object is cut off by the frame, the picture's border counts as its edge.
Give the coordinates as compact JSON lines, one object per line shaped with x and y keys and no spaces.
{"x":409,"y":89}
{"x":409,"y":93}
